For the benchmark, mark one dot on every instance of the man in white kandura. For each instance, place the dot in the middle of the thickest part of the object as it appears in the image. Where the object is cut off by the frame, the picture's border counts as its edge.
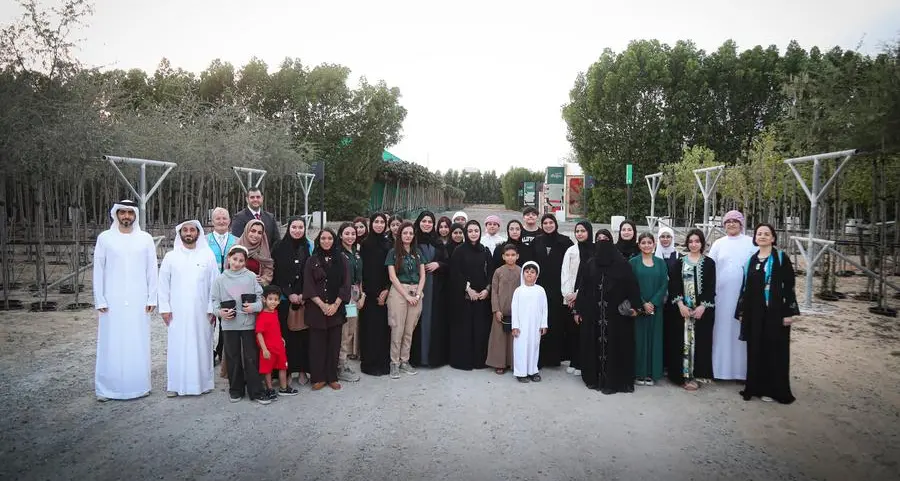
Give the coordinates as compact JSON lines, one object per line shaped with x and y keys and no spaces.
{"x":731,"y":254}
{"x":125,"y":295}
{"x":185,"y":278}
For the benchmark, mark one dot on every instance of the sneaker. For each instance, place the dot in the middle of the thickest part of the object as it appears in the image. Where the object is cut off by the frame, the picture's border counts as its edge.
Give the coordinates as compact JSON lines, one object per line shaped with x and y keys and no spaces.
{"x":408,"y":369}
{"x":288,"y":391}
{"x":171,"y":394}
{"x":577,"y":372}
{"x":235,"y":399}
{"x":348,"y":374}
{"x":640,"y":382}
{"x":570,"y":370}
{"x":535,"y":378}
{"x":395,"y":371}
{"x":767,"y":399}
{"x":271,"y":395}
{"x":523,"y":379}
{"x":648,"y":382}
{"x":263,"y":399}
{"x":102,"y":399}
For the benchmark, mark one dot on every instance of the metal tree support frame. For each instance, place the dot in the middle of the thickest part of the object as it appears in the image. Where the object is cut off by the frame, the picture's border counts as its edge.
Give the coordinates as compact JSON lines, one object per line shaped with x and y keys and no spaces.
{"x":143,"y":196}
{"x":249,"y":172}
{"x":708,"y":188}
{"x":306,"y":182}
{"x":653,"y":181}
{"x":814,"y":194}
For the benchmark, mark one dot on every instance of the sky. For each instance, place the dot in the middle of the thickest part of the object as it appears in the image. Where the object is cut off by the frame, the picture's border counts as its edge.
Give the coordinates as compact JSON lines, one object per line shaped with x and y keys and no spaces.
{"x":483,"y":81}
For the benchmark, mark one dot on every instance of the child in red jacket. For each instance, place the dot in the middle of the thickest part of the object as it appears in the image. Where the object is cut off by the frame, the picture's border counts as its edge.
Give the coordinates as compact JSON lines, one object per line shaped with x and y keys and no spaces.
{"x":272,"y":354}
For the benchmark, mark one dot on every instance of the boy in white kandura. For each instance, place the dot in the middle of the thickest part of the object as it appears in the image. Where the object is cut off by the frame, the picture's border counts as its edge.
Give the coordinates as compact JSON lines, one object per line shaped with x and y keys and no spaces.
{"x":529,"y":323}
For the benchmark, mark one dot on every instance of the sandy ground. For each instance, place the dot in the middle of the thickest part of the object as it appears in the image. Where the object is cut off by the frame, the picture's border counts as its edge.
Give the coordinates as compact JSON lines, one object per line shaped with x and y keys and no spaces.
{"x":448,"y":424}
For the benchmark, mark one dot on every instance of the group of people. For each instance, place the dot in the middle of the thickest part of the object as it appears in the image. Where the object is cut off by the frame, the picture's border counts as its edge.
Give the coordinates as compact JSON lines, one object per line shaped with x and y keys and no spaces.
{"x":400,"y":295}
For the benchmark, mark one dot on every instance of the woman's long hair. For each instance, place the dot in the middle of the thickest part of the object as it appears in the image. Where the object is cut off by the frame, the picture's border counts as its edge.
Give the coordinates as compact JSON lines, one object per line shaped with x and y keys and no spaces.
{"x":400,"y":250}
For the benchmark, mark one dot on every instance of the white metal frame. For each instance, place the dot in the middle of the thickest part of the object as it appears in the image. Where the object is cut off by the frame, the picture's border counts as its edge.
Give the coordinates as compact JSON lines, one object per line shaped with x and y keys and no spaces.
{"x":143,"y":196}
{"x":306,"y":182}
{"x":653,"y":181}
{"x":249,"y":171}
{"x":708,"y":188}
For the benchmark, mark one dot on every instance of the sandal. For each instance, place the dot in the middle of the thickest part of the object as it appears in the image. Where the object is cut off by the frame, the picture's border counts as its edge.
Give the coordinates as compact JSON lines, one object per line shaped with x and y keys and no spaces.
{"x":535,"y":378}
{"x":690,"y":386}
{"x":317,"y":386}
{"x":335,"y":385}
{"x":500,"y":371}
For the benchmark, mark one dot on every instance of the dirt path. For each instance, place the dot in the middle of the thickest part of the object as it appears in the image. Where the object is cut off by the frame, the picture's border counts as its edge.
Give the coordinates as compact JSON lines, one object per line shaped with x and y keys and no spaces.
{"x":447,"y":424}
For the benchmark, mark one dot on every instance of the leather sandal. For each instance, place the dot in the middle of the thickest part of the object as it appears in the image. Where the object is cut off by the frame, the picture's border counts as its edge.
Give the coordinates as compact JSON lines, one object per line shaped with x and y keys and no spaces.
{"x":317,"y":386}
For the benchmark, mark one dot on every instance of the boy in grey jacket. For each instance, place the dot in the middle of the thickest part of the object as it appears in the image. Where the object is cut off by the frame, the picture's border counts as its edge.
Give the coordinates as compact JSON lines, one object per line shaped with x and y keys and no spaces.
{"x":236,"y":298}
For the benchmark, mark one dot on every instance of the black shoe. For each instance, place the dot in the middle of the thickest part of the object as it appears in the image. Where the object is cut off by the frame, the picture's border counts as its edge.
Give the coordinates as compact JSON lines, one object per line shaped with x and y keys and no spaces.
{"x":607,"y":391}
{"x":523,"y":379}
{"x":288,"y":391}
{"x":216,"y":359}
{"x":270,"y":394}
{"x":535,"y":378}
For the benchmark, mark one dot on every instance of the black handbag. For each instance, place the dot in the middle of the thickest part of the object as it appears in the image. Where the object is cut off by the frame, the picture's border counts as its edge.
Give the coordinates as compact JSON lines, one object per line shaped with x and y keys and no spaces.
{"x":506,"y":322}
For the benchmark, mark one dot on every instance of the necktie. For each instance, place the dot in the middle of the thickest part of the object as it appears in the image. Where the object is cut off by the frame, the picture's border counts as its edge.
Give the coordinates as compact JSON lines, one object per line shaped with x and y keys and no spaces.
{"x":257,"y":216}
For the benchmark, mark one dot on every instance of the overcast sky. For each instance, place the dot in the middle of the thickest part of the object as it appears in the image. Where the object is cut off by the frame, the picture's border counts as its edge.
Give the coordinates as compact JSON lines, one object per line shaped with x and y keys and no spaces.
{"x":483,"y":81}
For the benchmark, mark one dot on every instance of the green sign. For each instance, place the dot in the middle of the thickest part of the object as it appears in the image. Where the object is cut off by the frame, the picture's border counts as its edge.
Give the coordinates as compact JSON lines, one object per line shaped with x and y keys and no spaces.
{"x":555,"y":175}
{"x":528,"y":196}
{"x":628,"y":174}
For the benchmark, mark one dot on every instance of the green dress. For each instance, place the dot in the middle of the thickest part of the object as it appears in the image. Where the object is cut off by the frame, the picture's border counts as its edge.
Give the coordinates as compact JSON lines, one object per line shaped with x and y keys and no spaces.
{"x":648,"y":329}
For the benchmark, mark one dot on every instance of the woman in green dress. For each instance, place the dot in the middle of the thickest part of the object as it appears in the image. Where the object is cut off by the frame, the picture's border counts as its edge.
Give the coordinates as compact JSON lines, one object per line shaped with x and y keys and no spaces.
{"x":653,"y":279}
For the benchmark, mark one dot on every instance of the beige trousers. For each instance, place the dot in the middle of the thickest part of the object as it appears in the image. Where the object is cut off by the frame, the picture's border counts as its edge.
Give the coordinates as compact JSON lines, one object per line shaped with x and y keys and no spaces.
{"x":348,"y":339}
{"x":403,"y":319}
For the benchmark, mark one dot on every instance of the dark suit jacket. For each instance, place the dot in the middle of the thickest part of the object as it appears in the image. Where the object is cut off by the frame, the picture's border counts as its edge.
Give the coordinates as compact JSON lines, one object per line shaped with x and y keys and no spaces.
{"x":240,"y":220}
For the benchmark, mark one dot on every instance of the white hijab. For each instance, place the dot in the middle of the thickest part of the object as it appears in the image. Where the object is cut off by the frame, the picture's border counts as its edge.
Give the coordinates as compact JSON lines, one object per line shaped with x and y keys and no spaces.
{"x":460,"y":214}
{"x":665,"y":252}
{"x":125,"y":205}
{"x":522,"y":274}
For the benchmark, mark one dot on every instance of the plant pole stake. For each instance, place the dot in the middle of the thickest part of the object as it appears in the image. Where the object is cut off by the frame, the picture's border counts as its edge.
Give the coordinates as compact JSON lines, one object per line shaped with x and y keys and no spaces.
{"x":814,"y":194}
{"x":653,"y":181}
{"x":143,"y":196}
{"x":707,"y":188}
{"x":306,"y":181}
{"x":249,"y":171}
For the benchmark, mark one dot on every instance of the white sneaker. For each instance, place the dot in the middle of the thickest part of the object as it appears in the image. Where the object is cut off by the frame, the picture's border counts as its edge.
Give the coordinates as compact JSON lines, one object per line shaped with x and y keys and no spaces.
{"x":570,"y":370}
{"x":171,"y":394}
{"x":577,"y":372}
{"x":102,"y":399}
{"x":767,"y":399}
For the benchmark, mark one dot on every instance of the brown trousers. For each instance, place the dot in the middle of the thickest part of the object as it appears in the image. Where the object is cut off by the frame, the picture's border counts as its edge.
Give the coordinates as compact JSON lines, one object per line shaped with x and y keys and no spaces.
{"x":403,"y":319}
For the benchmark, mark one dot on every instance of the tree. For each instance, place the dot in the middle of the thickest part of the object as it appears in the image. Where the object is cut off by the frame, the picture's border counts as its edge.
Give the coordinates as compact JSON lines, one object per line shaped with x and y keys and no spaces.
{"x":512,"y":181}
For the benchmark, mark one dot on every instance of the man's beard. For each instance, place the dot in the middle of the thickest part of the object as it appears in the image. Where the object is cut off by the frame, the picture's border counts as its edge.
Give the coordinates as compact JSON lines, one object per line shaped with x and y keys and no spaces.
{"x":126,"y":222}
{"x":190,"y":241}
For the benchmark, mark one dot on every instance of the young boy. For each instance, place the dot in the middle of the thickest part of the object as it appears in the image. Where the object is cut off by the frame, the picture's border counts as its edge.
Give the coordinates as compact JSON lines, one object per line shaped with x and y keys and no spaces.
{"x":272,"y":354}
{"x":491,"y":239}
{"x":505,"y":281}
{"x":529,"y":323}
{"x":531,"y":229}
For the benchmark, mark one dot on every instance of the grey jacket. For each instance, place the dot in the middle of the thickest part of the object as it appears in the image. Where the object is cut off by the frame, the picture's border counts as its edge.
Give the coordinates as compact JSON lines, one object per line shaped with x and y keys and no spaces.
{"x":229,"y":286}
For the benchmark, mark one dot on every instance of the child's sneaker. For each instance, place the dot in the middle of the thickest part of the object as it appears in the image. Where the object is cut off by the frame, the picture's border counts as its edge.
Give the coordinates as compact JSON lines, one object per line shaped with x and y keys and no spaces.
{"x":263,"y":399}
{"x":271,"y":395}
{"x":234,"y":399}
{"x":288,"y":391}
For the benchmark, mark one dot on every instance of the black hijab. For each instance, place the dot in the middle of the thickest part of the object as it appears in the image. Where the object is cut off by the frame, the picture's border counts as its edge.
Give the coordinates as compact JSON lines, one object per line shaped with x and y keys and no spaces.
{"x":523,"y":249}
{"x":586,"y":248}
{"x":628,"y":248}
{"x":288,"y":273}
{"x":606,"y":254}
{"x":468,"y":242}
{"x":332,"y":263}
{"x":555,"y":232}
{"x":605,"y":232}
{"x":472,"y":262}
{"x":451,"y":244}
{"x":374,"y":240}
{"x":422,"y":237}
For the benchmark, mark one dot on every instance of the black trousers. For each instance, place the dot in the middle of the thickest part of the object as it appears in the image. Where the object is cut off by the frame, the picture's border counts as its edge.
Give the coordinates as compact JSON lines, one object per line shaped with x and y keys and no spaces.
{"x":221,"y":342}
{"x":324,"y":350}
{"x":242,"y":357}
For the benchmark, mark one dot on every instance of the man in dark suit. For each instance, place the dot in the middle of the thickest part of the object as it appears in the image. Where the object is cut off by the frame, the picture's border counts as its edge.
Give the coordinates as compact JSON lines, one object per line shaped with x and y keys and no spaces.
{"x":254,"y":211}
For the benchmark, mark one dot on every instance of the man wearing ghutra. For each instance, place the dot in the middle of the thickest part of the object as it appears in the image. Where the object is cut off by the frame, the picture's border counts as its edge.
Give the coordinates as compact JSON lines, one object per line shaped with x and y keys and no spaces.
{"x":185,"y":279}
{"x":125,"y":277}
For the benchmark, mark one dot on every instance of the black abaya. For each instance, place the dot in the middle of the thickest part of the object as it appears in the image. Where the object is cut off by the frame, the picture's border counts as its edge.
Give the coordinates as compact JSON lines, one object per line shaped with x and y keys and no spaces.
{"x":374,"y":332}
{"x":290,"y":257}
{"x":607,"y":337}
{"x":705,"y":288}
{"x":434,"y":318}
{"x":762,"y":326}
{"x":470,"y":325}
{"x":549,"y":250}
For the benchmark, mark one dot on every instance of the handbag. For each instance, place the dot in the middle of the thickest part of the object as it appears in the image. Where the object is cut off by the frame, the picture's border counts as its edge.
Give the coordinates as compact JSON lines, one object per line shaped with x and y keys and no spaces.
{"x":296,"y":318}
{"x":350,"y":310}
{"x":625,"y":308}
{"x":506,"y":322}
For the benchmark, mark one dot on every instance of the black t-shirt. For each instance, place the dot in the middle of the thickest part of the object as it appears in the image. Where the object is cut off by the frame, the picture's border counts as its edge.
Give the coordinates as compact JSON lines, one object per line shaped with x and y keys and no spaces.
{"x":528,"y":236}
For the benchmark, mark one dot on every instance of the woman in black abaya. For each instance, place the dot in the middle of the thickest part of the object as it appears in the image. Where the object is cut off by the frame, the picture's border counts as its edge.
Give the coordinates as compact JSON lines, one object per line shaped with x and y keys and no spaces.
{"x":549,"y":250}
{"x":290,"y":257}
{"x":432,"y":326}
{"x":374,"y":332}
{"x":469,"y":301}
{"x":607,"y":336}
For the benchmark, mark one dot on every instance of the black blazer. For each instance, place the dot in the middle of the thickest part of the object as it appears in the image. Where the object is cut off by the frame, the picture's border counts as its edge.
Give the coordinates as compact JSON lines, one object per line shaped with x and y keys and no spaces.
{"x":240,"y":220}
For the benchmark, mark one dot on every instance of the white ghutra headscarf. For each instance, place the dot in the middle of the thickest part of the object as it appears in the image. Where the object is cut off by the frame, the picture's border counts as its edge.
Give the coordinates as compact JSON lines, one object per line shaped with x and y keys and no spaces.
{"x":125,"y":205}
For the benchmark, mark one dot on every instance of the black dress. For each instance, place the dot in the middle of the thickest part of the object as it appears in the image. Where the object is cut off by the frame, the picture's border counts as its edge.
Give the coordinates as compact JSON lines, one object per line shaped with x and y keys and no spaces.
{"x":470,"y":321}
{"x":704,"y":275}
{"x":433,"y":321}
{"x":762,"y":326}
{"x":374,"y":332}
{"x":290,"y":256}
{"x":549,"y":250}
{"x":671,"y":316}
{"x":607,"y":337}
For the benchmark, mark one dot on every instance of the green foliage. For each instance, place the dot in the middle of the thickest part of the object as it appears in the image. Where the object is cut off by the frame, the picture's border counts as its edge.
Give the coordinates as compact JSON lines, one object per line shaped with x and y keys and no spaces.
{"x":510,"y":184}
{"x":479,"y":187}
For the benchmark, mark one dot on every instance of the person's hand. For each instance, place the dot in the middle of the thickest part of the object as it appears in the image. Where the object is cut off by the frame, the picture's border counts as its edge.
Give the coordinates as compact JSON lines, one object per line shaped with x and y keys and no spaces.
{"x":516,"y":332}
{"x":790,"y":320}
{"x":267,"y":354}
{"x":648,"y":308}
{"x":248,"y":308}
{"x":382,"y":297}
{"x":473,"y":296}
{"x":577,"y":318}
{"x":684,"y":311}
{"x":483,"y":295}
{"x":259,"y":279}
{"x":212,"y":319}
{"x":103,"y":310}
{"x":167,"y":318}
{"x":294,"y":298}
{"x":226,"y":313}
{"x":498,"y":316}
{"x":302,"y":300}
{"x":633,"y":313}
{"x":543,"y":331}
{"x":412,"y":300}
{"x":570,"y":299}
{"x":361,"y":302}
{"x":431,"y":266}
{"x":150,"y":309}
{"x":698,"y":312}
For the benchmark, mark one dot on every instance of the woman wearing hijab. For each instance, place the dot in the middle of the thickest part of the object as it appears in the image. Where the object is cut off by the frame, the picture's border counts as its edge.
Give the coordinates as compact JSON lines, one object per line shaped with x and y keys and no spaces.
{"x":460,"y":218}
{"x":326,"y":287}
{"x":607,"y":295}
{"x":767,"y":308}
{"x":514,"y":237}
{"x":374,"y":331}
{"x":672,"y":334}
{"x":457,"y":238}
{"x":549,"y":249}
{"x":259,"y":261}
{"x":429,"y":342}
{"x":290,"y":256}
{"x":470,"y":307}
{"x":575,"y":256}
{"x":627,"y":243}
